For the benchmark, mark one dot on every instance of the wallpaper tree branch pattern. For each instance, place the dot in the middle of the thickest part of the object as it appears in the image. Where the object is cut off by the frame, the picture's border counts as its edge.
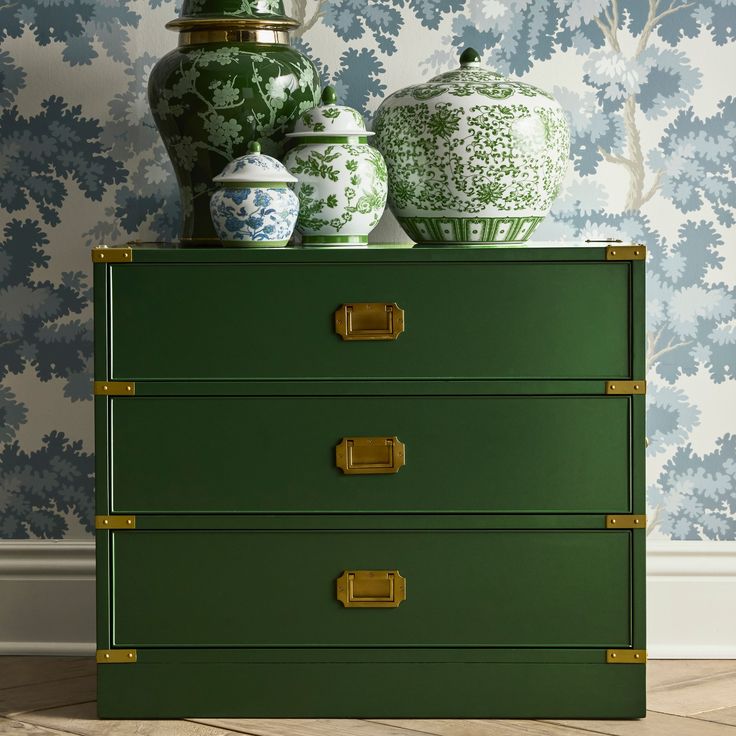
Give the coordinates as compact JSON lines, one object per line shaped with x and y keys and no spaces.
{"x":646,"y":87}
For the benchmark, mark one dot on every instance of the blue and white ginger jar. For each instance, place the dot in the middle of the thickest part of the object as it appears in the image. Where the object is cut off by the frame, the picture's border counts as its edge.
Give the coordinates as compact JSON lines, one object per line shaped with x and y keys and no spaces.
{"x":253,"y":206}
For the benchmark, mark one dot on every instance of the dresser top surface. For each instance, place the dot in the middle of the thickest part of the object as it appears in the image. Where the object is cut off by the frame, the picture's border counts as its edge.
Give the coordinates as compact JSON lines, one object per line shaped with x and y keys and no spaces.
{"x":379,"y":253}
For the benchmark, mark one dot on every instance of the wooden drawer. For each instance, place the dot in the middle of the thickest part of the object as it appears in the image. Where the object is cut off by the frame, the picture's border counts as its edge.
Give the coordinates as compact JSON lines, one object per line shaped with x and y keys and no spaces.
{"x":508,"y":454}
{"x":535,"y":588}
{"x":524,"y":320}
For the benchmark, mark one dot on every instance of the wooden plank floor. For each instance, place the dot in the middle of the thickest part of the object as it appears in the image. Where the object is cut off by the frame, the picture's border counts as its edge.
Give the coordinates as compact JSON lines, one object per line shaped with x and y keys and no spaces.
{"x":53,"y":696}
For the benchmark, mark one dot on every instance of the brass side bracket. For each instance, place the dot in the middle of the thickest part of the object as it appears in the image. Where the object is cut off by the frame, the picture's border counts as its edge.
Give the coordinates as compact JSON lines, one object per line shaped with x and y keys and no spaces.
{"x":626,"y":521}
{"x":105,"y":254}
{"x":114,"y":388}
{"x":115,"y":522}
{"x":635,"y":252}
{"x":626,"y":656}
{"x":116,"y":656}
{"x":620,"y":388}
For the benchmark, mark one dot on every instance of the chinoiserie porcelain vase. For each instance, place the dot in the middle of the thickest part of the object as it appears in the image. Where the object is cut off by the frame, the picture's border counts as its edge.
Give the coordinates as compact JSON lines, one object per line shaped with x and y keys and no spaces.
{"x":341,"y":180}
{"x":233,"y":78}
{"x":253,"y":205}
{"x":472,"y":157}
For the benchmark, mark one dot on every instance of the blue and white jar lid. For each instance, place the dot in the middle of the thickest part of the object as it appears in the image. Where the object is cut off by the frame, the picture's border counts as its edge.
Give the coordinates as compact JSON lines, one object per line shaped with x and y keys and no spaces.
{"x":329,"y":119}
{"x":254,"y":168}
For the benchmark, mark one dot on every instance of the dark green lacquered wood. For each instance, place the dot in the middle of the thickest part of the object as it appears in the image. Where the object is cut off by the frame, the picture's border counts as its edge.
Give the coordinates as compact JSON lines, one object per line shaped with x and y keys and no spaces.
{"x":102,"y":453}
{"x":493,"y":454}
{"x":103,"y":589}
{"x":638,"y":451}
{"x":463,"y":320}
{"x":315,"y":655}
{"x":638,"y":589}
{"x":335,"y":521}
{"x":100,"y":275}
{"x":447,"y":387}
{"x":374,"y":253}
{"x":482,"y":682}
{"x":638,"y":416}
{"x":638,"y":318}
{"x":102,"y":496}
{"x":492,"y":588}
{"x":400,"y":689}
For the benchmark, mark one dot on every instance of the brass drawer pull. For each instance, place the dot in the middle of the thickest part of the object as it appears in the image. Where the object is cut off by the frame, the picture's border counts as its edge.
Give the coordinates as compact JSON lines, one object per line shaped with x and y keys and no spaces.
{"x":371,"y":588}
{"x":371,"y":321}
{"x":370,"y":455}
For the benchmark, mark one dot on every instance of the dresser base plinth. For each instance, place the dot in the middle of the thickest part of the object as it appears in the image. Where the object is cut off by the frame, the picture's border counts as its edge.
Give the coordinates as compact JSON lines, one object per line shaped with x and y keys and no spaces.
{"x":378,"y":684}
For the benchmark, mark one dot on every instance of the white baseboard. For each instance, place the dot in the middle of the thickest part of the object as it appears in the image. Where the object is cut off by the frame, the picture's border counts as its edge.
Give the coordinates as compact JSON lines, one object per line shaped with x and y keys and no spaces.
{"x":47,"y":594}
{"x":691,"y":600}
{"x":47,"y":597}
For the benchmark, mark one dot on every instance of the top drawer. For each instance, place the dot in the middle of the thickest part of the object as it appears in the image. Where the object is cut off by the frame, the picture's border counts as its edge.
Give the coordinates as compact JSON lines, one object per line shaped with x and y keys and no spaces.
{"x":477,"y":320}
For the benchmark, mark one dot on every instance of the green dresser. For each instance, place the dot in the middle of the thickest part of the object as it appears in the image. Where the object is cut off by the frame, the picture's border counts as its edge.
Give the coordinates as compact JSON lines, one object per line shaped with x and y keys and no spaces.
{"x":392,"y":482}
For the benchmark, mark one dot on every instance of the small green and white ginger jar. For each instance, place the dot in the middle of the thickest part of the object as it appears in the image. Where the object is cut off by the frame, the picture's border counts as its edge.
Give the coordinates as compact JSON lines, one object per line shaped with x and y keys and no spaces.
{"x":473,"y":157}
{"x":341,"y":180}
{"x":253,"y":206}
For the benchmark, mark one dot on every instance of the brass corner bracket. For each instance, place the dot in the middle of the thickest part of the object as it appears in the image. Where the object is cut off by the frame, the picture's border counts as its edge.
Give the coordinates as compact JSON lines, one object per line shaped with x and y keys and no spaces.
{"x":106,"y":254}
{"x":626,"y":656}
{"x":626,"y":521}
{"x":636,"y":252}
{"x":621,"y":388}
{"x":116,"y":656}
{"x":115,"y":522}
{"x":114,"y":388}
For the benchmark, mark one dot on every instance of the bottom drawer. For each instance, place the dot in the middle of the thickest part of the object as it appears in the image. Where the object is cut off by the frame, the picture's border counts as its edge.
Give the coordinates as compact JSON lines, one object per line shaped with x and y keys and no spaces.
{"x":464,"y":588}
{"x":372,"y":683}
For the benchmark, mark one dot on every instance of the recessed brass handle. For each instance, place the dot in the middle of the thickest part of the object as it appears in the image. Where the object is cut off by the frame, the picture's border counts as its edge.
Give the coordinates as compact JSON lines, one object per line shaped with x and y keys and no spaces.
{"x":371,"y":588}
{"x":369,"y":321}
{"x":370,"y":455}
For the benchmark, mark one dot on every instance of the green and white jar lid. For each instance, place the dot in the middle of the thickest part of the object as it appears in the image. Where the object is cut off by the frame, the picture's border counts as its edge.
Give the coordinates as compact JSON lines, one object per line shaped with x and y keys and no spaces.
{"x":237,"y":10}
{"x":329,"y":119}
{"x":255,"y":169}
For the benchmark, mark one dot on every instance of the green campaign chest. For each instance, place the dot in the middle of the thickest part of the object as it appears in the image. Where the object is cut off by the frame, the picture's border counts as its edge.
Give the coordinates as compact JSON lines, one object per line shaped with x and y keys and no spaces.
{"x":392,"y":482}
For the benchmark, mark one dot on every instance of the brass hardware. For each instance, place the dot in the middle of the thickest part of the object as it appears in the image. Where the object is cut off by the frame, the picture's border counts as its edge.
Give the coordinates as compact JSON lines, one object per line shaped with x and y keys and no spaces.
{"x":626,"y":252}
{"x":114,"y":388}
{"x":208,"y":24}
{"x":116,"y":656}
{"x":371,"y":588}
{"x":370,"y":455}
{"x":371,"y":321}
{"x":103,"y":254}
{"x":115,"y":522}
{"x":626,"y":521}
{"x":234,"y":35}
{"x":626,"y":656}
{"x":620,"y":388}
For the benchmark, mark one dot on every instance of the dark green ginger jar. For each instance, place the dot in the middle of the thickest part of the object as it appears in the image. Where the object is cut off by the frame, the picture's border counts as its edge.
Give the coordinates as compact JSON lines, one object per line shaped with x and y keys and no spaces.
{"x":234,"y":78}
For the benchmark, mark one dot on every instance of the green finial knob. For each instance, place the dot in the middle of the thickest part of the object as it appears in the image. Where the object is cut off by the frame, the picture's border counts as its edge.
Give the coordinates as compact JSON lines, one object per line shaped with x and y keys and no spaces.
{"x":329,"y":96}
{"x":254,"y":147}
{"x":469,"y":56}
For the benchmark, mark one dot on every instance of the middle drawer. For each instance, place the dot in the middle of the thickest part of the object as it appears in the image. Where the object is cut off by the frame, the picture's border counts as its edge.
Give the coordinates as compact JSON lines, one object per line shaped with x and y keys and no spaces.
{"x":505,"y":454}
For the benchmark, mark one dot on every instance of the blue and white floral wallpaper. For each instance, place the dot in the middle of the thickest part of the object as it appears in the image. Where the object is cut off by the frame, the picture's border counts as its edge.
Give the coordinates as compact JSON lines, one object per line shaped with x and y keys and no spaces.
{"x":648,"y":85}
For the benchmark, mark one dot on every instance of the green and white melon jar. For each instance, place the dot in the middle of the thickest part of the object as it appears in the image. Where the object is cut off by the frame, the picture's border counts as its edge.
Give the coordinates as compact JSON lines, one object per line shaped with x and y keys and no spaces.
{"x":473,"y":157}
{"x":342,"y":181}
